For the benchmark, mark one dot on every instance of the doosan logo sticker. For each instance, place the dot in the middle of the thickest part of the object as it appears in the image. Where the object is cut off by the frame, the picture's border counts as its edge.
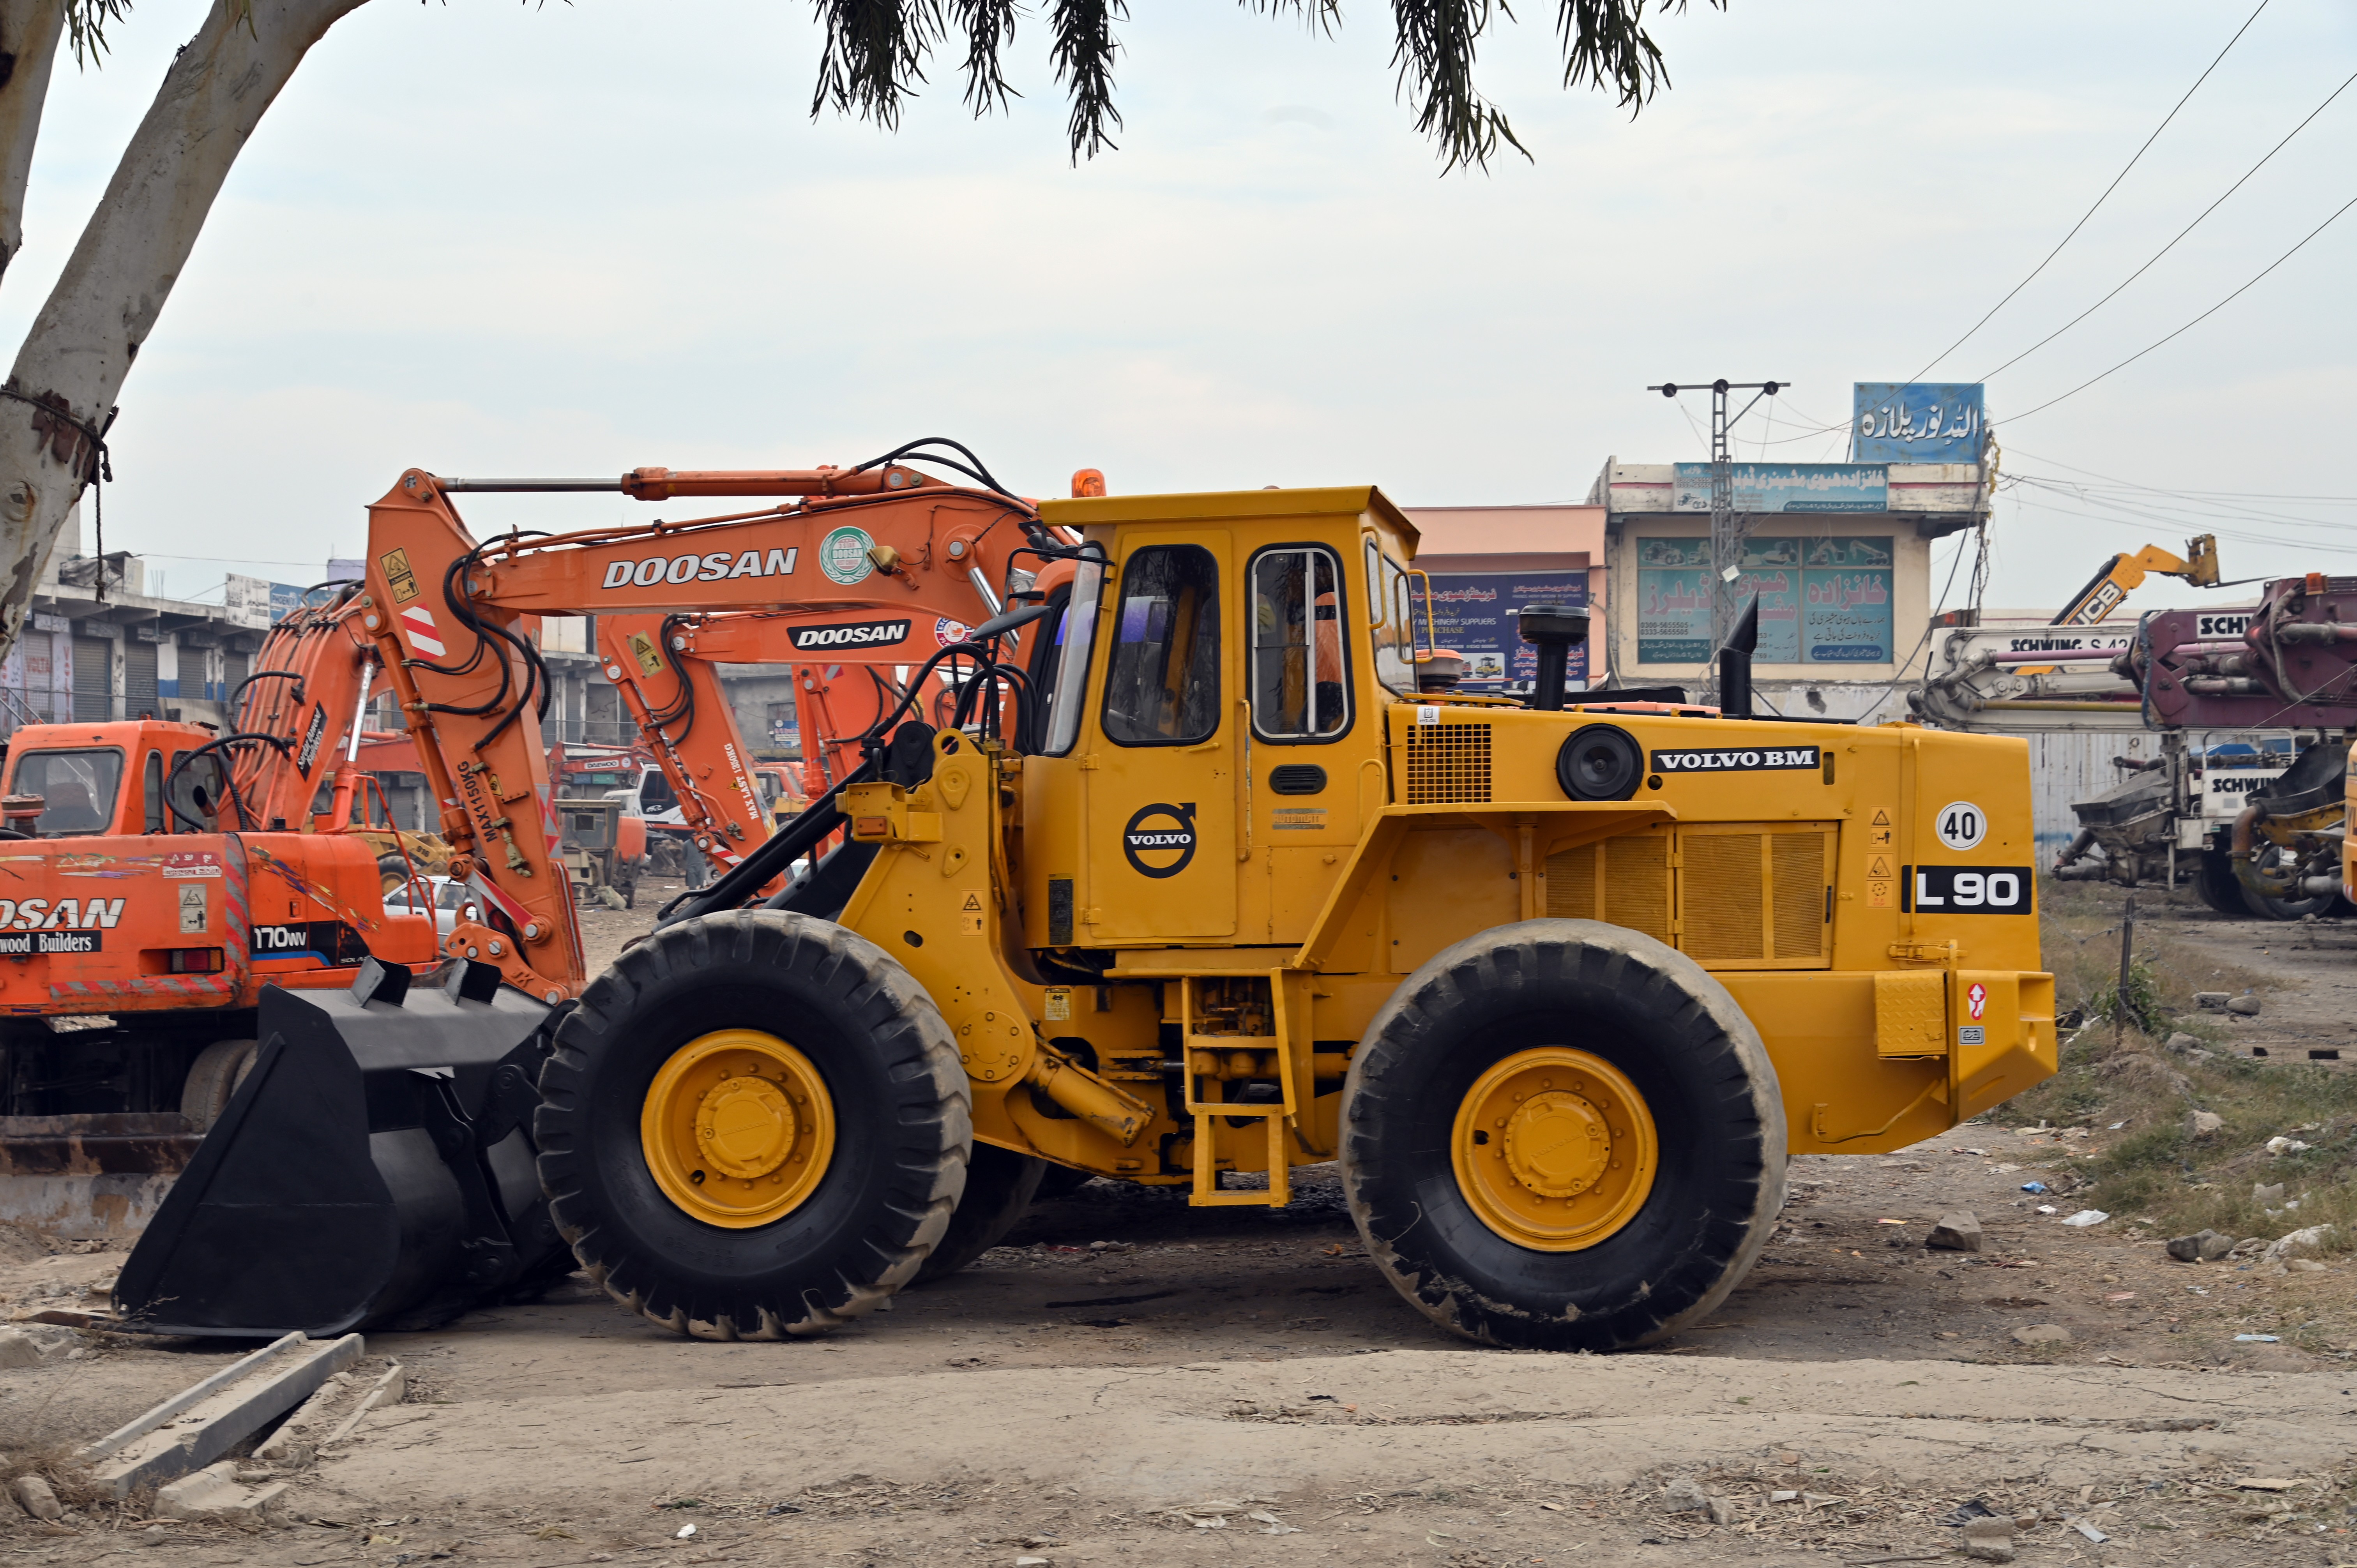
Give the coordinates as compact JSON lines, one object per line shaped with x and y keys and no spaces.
{"x":1730,"y":759}
{"x":851,"y":634}
{"x":946,"y":631}
{"x":1160,"y":840}
{"x":842,"y":555}
{"x":718,"y":567}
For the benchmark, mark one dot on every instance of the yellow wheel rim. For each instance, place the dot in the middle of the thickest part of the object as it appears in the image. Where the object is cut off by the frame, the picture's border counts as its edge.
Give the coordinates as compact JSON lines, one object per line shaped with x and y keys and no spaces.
{"x":1554,"y":1149}
{"x":737,"y":1128}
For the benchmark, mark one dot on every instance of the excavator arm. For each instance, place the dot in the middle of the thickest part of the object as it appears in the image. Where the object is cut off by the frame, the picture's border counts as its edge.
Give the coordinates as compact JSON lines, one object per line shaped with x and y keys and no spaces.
{"x":2123,"y":574}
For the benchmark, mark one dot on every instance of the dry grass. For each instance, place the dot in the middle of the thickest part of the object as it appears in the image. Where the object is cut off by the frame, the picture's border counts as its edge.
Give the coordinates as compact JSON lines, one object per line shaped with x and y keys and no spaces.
{"x":2155,"y":1169}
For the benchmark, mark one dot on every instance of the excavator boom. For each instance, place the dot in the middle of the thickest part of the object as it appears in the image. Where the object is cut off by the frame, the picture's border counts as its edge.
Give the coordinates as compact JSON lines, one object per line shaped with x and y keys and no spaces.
{"x":857,"y":555}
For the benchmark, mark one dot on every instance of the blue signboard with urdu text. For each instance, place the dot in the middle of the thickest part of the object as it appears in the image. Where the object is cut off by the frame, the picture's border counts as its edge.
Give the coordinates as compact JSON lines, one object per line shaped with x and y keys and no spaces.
{"x":1916,"y":422}
{"x":1778,"y":488}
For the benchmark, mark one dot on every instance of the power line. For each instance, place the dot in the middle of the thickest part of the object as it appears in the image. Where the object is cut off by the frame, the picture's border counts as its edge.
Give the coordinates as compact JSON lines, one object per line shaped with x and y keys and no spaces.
{"x":2158,"y":489}
{"x":2188,"y":229}
{"x":2091,"y":212}
{"x":2197,"y":321}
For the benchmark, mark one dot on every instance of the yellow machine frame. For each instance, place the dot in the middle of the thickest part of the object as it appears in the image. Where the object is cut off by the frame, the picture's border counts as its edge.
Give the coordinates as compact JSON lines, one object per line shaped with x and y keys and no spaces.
{"x":1890,"y":1013}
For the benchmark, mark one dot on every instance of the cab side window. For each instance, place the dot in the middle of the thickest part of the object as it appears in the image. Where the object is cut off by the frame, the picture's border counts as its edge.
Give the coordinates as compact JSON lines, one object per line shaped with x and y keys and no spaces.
{"x":1162,"y":680}
{"x":152,"y":782}
{"x":1300,"y":671}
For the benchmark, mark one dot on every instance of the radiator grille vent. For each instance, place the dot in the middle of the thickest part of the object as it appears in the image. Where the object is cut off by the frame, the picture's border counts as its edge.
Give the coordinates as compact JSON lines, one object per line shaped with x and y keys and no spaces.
{"x":1447,"y":765}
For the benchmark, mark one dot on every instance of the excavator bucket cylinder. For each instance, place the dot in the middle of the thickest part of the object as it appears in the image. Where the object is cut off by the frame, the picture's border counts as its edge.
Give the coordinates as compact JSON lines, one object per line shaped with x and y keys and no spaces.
{"x":375,"y":1169}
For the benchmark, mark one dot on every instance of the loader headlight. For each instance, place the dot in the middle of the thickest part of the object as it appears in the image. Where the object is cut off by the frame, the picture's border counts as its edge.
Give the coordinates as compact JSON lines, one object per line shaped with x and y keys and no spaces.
{"x":1600,"y":762}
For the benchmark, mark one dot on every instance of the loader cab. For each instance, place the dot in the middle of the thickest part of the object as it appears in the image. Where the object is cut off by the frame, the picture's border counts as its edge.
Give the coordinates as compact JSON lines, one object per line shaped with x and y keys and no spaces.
{"x":144,"y":776}
{"x":1214,"y":695}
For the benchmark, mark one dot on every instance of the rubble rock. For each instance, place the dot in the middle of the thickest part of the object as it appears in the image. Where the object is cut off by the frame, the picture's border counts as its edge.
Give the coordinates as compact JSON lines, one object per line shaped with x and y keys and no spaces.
{"x":1722,"y":1511}
{"x":2216,"y":1246}
{"x":2212,"y":1001}
{"x":34,"y":1496}
{"x":2181,"y":1041}
{"x":1989,"y":1540}
{"x":2304,"y":1266}
{"x":1958,"y":1232}
{"x":2041,"y":1334}
{"x":2246,"y":1006}
{"x":214,"y":1492}
{"x":1685,"y":1496}
{"x":2298,"y":1242}
{"x":17,"y":1349}
{"x":2203,"y":1124}
{"x":2248,"y":1247}
{"x":2267,"y":1195}
{"x":2190,"y":1249}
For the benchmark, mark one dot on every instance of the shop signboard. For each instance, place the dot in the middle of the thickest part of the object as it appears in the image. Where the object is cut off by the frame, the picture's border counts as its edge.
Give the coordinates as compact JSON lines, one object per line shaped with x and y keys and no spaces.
{"x":252,"y":602}
{"x":1916,"y":422}
{"x":1822,"y":601}
{"x":1474,"y":614}
{"x":1775,"y":488}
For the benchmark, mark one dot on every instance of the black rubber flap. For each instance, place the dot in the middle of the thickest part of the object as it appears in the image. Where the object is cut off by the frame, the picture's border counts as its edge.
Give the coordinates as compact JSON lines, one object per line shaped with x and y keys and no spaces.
{"x":374,"y":1169}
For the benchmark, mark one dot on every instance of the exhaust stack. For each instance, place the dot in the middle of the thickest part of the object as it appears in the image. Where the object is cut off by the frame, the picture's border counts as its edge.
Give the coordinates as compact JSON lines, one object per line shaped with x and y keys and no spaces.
{"x":1735,"y":664}
{"x":1555,"y":629}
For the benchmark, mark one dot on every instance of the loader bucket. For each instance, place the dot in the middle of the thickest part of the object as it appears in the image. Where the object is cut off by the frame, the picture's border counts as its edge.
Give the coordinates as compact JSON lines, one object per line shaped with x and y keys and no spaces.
{"x":375,"y":1170}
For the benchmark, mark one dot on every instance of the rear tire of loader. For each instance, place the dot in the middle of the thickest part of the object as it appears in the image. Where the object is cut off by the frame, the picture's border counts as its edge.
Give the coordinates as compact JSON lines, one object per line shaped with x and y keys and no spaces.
{"x":1601,"y":1032}
{"x":999,"y":1185}
{"x":896,"y":1115}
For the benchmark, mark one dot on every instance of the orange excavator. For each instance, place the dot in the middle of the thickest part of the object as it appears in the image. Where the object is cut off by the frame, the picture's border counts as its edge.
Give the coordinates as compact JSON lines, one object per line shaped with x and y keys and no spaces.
{"x":121,"y":1046}
{"x":417,"y":1193}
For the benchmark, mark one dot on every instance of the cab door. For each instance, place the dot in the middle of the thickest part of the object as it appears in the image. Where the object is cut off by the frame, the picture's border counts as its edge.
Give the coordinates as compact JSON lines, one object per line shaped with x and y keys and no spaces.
{"x":1160,"y":782}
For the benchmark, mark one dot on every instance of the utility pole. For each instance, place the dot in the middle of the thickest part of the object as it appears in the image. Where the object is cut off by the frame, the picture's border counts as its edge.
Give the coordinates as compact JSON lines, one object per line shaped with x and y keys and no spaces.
{"x":1728,"y":531}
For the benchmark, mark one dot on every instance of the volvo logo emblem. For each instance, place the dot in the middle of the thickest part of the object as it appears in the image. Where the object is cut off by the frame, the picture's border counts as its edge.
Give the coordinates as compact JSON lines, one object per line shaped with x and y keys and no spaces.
{"x":1160,"y":840}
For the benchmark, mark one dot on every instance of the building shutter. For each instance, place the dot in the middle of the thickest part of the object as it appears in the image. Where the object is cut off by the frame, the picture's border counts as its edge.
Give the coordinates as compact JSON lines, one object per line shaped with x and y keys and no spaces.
{"x":94,"y":686}
{"x":139,"y":679}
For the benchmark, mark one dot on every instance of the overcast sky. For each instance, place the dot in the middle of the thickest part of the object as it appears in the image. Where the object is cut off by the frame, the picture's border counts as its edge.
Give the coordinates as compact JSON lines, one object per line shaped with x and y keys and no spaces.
{"x":485,"y":237}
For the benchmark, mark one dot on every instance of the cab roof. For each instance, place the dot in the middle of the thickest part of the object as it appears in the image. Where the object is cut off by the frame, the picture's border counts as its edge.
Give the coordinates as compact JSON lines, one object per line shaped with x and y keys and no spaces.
{"x":1330,"y":501}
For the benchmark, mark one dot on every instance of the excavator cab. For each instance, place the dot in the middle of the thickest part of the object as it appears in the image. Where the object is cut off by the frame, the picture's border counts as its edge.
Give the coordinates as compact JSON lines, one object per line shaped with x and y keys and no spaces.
{"x":115,"y":777}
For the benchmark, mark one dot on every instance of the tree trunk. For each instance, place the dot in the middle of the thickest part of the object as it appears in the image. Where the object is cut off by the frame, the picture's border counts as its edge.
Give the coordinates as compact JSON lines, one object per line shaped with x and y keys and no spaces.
{"x":29,"y":31}
{"x":72,"y":363}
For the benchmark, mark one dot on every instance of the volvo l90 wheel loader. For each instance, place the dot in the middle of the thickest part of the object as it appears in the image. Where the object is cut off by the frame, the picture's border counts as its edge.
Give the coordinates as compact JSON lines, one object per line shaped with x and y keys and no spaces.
{"x":1197,"y":886}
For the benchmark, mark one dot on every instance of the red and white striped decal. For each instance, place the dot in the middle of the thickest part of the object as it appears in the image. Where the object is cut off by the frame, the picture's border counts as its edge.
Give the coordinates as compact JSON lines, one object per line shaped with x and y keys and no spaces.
{"x":417,"y":624}
{"x":493,"y":897}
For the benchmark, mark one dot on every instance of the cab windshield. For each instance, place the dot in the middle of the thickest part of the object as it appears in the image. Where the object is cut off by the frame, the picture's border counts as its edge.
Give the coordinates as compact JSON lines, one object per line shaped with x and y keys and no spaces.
{"x":77,"y":789}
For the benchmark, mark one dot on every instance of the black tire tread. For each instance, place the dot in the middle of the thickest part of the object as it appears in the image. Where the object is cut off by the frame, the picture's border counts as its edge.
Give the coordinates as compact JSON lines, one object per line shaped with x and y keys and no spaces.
{"x":921,"y":1051}
{"x":999,"y":1186}
{"x":1676,"y":989}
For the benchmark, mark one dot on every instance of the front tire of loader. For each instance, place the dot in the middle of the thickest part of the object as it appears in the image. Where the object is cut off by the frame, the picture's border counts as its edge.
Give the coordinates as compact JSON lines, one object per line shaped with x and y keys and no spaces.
{"x":1563,"y":1136}
{"x":754,"y":1126}
{"x":999,"y":1185}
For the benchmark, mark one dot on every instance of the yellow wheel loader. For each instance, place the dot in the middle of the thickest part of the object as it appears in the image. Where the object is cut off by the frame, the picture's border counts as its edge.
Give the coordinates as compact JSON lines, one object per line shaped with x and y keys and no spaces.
{"x":1198,"y":885}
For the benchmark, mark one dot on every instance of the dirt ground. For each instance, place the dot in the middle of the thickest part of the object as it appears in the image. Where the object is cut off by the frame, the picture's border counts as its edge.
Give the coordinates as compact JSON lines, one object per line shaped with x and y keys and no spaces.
{"x":1131,"y":1380}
